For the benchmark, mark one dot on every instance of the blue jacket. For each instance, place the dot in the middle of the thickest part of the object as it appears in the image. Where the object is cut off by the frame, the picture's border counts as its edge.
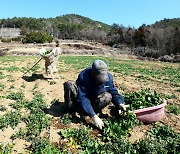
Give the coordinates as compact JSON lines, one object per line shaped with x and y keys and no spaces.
{"x":88,"y":88}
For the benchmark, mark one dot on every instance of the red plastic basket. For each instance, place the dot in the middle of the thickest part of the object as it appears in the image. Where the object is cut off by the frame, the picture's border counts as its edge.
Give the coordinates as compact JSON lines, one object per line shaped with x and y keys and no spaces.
{"x":151,"y":114}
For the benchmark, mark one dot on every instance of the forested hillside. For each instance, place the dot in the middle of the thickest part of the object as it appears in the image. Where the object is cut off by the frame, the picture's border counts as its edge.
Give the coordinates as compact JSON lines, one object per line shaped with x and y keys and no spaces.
{"x":64,"y":27}
{"x":159,"y":40}
{"x":168,"y":22}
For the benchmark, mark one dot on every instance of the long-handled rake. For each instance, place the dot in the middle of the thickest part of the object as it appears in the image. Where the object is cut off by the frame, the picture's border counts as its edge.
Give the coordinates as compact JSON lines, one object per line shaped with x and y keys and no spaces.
{"x":32,"y":66}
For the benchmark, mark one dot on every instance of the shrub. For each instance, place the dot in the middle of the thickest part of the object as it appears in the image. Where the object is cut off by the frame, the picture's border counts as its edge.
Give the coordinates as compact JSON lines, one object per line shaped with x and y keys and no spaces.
{"x":17,"y":39}
{"x":6,"y":40}
{"x":37,"y":37}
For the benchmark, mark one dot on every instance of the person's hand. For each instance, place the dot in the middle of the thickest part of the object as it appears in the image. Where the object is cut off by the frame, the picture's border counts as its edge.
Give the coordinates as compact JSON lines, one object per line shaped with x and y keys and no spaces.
{"x":97,"y":122}
{"x":122,"y":108}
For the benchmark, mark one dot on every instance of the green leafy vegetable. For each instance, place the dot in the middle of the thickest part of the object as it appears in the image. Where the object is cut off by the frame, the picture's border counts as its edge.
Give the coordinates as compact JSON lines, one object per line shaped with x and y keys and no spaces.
{"x":142,"y":99}
{"x":117,"y":128}
{"x":47,"y":52}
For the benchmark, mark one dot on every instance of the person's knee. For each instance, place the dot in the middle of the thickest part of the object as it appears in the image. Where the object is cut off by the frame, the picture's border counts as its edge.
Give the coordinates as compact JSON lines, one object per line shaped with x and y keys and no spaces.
{"x":107,"y":96}
{"x":103,"y":100}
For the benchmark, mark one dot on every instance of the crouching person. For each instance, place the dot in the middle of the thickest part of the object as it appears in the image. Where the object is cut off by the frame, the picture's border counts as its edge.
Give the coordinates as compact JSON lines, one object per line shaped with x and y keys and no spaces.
{"x":93,"y":90}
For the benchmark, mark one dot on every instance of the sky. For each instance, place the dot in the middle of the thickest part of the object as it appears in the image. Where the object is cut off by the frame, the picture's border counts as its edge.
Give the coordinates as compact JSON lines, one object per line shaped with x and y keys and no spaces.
{"x":131,"y":13}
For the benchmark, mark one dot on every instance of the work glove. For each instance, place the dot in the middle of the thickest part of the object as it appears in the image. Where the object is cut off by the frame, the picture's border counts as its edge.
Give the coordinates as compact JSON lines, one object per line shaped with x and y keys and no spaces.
{"x":122,"y":108}
{"x":97,"y":122}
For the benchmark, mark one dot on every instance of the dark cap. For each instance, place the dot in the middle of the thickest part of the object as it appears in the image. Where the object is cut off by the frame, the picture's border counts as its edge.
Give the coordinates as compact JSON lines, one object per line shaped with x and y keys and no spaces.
{"x":100,"y":71}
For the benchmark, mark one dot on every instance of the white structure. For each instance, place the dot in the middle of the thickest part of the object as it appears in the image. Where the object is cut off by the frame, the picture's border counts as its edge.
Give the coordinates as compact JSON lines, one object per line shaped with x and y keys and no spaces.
{"x":9,"y":32}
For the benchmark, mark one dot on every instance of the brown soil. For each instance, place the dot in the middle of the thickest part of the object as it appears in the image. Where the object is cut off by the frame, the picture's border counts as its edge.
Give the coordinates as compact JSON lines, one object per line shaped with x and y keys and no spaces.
{"x":43,"y":83}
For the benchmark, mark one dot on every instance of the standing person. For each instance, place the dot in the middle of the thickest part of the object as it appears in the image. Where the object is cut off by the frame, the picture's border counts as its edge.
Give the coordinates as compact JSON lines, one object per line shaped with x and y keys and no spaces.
{"x":93,"y":90}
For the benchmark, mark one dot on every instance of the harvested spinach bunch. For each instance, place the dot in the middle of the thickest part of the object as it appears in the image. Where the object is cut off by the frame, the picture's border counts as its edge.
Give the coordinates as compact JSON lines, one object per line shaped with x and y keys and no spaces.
{"x":142,"y":99}
{"x":47,"y":52}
